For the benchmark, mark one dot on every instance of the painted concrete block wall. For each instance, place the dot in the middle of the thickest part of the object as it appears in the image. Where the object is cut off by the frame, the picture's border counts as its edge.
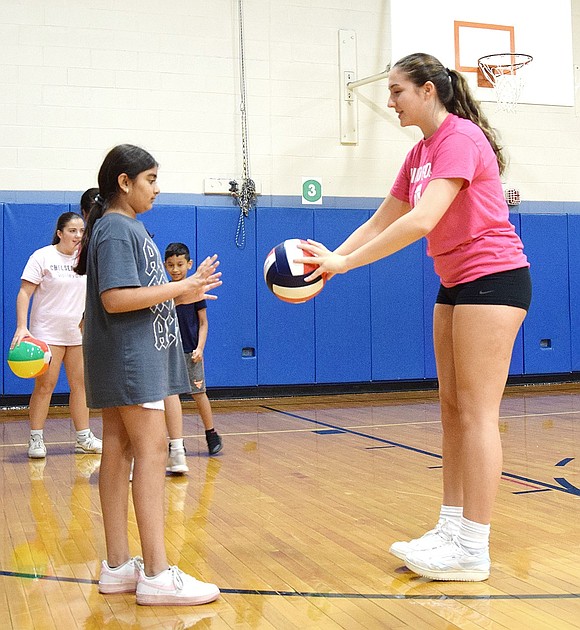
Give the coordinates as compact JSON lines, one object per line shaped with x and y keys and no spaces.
{"x":78,"y":77}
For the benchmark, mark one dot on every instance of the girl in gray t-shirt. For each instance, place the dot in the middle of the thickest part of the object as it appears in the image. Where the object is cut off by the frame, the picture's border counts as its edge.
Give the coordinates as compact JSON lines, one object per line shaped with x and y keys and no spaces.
{"x":133,"y":360}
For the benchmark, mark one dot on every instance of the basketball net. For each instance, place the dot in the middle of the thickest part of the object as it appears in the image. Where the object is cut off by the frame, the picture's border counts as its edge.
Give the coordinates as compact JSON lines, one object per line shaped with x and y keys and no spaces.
{"x":505,"y":75}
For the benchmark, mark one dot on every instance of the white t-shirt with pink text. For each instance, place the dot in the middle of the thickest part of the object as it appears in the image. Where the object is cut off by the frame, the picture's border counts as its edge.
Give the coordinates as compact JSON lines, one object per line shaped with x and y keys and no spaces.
{"x":58,"y":302}
{"x":474,"y":237}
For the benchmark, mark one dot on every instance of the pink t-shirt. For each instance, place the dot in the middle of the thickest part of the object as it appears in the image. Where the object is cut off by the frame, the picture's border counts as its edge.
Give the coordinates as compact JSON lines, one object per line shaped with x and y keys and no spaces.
{"x":474,"y":237}
{"x":58,"y":302}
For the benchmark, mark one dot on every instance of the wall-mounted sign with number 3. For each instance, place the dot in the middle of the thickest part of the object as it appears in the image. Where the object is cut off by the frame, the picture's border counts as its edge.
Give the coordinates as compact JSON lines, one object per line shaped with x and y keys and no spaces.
{"x":311,"y":190}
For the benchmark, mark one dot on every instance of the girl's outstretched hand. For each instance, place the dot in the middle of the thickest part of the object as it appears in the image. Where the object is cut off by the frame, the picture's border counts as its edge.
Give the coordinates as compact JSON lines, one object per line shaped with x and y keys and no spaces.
{"x":204,"y":279}
{"x":328,"y":263}
{"x":19,"y":335}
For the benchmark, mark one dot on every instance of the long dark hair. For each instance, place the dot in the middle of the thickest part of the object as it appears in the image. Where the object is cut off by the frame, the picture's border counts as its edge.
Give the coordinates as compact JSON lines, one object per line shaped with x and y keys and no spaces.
{"x":124,"y":158}
{"x":62,"y":221}
{"x":454,"y":92}
{"x":87,"y":200}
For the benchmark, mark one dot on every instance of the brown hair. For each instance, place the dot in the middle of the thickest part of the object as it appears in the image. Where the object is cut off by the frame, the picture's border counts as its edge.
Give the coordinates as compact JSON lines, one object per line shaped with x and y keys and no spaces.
{"x":124,"y":158}
{"x":454,"y":92}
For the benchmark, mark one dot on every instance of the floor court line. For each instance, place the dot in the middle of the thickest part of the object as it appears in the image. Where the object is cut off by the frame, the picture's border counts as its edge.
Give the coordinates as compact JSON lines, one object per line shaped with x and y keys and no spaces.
{"x":565,"y":487}
{"x":313,"y":594}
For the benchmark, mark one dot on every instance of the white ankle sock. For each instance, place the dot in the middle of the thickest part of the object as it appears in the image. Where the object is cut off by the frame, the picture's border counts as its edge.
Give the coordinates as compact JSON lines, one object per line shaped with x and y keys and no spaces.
{"x":473,"y":537}
{"x":177,"y":444}
{"x":83,"y":435}
{"x":39,"y":432}
{"x":451,"y":514}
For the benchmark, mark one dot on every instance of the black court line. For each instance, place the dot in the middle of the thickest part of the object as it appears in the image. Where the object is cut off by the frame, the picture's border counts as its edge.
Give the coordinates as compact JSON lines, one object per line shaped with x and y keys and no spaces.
{"x":313,"y":594}
{"x":565,"y":486}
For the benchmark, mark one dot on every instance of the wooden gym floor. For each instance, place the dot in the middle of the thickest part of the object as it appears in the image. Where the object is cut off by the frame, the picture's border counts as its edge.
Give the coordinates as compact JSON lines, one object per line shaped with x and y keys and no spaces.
{"x":293,"y":520}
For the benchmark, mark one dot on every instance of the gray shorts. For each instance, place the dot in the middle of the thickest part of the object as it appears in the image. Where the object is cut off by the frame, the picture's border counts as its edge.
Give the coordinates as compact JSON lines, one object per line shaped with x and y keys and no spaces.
{"x":196,"y":374}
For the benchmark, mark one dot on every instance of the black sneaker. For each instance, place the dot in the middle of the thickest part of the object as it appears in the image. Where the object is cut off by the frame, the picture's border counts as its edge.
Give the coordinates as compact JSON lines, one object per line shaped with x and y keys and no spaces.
{"x":214,"y":442}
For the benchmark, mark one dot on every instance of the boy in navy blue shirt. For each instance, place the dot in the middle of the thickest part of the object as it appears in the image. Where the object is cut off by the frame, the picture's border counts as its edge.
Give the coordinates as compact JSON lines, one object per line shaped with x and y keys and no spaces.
{"x":193,"y":326}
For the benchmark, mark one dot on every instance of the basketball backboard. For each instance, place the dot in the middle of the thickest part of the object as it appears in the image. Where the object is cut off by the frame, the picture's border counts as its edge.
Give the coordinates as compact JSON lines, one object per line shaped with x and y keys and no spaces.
{"x":458,"y":33}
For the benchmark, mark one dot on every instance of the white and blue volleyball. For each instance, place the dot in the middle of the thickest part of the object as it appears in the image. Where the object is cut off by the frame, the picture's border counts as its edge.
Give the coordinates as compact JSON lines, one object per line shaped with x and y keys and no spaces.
{"x":285,"y":278}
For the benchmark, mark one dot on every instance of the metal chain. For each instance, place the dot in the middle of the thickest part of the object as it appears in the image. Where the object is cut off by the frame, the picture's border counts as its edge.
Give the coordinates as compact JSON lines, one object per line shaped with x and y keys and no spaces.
{"x":246,"y":195}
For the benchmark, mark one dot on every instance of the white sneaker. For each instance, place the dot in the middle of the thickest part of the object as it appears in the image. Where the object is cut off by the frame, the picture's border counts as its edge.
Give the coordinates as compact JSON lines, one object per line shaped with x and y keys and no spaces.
{"x":176,"y":460}
{"x":173,"y":587}
{"x":121,"y":579}
{"x":434,"y":538}
{"x":450,"y":562}
{"x":91,"y":445}
{"x":36,"y":447}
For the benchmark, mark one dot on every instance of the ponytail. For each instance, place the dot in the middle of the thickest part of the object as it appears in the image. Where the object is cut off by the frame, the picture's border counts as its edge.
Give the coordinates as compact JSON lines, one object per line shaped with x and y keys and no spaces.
{"x":465,"y":106}
{"x":454,"y":92}
{"x":96,"y":211}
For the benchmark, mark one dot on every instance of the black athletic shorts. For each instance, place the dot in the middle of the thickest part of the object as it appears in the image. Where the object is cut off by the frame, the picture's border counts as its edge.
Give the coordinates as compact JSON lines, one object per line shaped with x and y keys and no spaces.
{"x":509,"y":288}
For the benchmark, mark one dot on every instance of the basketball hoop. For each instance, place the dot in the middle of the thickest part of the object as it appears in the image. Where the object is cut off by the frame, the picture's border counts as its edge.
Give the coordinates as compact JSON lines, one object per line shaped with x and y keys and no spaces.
{"x":503,"y":73}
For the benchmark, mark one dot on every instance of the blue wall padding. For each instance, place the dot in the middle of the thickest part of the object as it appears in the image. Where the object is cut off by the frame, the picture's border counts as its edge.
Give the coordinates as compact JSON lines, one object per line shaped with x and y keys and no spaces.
{"x":230,"y":354}
{"x":168,"y":224}
{"x":574,"y":272}
{"x":372,"y":324}
{"x":547,"y":326}
{"x":5,"y":306}
{"x":343,"y":310}
{"x":397,"y":315}
{"x":430,"y":289}
{"x":286,"y":340}
{"x":26,"y":227}
{"x":517,"y":362}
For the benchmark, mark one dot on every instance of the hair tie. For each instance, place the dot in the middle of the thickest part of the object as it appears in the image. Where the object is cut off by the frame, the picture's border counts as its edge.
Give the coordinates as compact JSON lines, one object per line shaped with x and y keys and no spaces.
{"x":99,"y":200}
{"x":448,"y":73}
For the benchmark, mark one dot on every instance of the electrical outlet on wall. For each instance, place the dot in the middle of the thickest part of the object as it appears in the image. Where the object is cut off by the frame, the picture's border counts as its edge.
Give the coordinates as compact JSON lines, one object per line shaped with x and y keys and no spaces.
{"x":216,"y":186}
{"x":223,"y":185}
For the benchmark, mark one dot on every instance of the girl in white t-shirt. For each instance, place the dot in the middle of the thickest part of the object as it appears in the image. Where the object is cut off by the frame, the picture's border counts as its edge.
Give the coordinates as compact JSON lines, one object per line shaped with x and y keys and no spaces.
{"x":57,"y":309}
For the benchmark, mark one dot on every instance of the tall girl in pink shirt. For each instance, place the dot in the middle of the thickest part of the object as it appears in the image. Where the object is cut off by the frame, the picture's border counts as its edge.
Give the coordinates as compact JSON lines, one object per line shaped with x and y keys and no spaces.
{"x":449,"y":191}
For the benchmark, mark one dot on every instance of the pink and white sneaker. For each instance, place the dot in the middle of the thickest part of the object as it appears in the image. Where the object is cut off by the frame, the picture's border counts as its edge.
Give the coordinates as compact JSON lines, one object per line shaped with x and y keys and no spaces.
{"x":173,"y":587}
{"x":121,"y":579}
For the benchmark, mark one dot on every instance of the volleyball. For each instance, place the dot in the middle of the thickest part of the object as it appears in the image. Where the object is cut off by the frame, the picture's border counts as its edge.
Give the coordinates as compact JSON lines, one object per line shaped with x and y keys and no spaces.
{"x":30,"y":358}
{"x":285,"y":278}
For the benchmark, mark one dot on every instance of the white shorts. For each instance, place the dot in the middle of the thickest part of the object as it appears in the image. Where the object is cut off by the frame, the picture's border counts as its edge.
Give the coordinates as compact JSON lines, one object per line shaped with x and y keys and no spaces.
{"x":156,"y":404}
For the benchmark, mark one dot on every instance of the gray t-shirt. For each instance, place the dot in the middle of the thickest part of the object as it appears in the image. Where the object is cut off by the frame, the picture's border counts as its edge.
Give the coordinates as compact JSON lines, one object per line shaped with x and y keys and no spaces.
{"x":135,"y":357}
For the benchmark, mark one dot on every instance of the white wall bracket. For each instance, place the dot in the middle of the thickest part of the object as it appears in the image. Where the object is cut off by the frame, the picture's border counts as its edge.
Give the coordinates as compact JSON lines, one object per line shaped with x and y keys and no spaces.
{"x":348,"y":83}
{"x":374,"y":77}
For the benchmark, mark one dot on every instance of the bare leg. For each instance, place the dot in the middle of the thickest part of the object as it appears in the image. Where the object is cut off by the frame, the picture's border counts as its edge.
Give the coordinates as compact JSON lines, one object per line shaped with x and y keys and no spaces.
{"x":114,"y":486}
{"x":73,"y":364}
{"x":146,"y":430}
{"x":43,"y":387}
{"x":443,"y":342}
{"x":204,"y":408}
{"x":483,"y":338}
{"x":174,"y":417}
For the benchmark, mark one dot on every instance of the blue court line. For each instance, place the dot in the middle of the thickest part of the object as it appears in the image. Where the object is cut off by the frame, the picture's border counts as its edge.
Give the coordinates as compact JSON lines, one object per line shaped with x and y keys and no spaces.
{"x":565,"y":461}
{"x":396,"y":596}
{"x":564,"y":486}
